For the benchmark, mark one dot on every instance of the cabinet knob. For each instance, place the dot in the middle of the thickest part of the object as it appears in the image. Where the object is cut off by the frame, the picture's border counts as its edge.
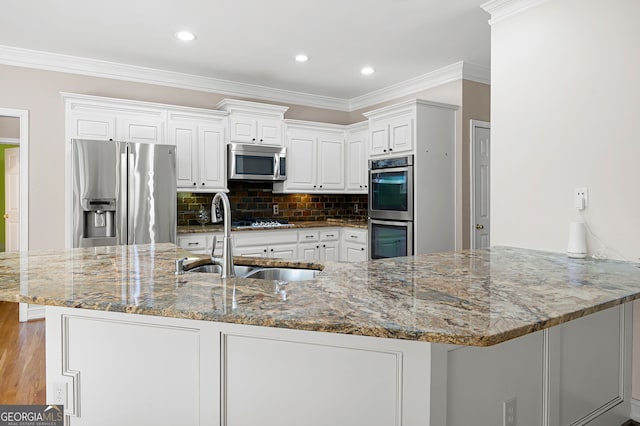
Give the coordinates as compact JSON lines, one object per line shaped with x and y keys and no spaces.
{"x":390,"y":149}
{"x":260,"y":140}
{"x":202,"y":183}
{"x":254,"y":139}
{"x":362,"y":249}
{"x":265,"y":250}
{"x":318,"y":246}
{"x":314,"y":186}
{"x":194,"y":184}
{"x":384,"y":150}
{"x":324,"y":245}
{"x":272,"y":250}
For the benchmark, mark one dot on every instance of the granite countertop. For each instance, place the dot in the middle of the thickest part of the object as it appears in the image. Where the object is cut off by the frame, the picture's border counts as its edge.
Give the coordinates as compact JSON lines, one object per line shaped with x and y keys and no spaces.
{"x":350,"y":223}
{"x":471,"y":297}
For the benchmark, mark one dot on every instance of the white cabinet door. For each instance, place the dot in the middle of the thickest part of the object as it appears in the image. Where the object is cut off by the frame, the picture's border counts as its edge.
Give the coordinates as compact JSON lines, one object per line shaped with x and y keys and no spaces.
{"x":356,"y":163}
{"x":378,"y":140}
{"x":401,"y":135}
{"x":92,"y":126}
{"x":269,"y":132}
{"x":251,"y":251}
{"x":212,"y":149}
{"x":145,"y":130}
{"x":309,"y":251}
{"x":301,"y":163}
{"x":243,"y":129}
{"x":355,"y":252}
{"x":284,"y":251}
{"x":330,"y":250}
{"x":330,"y":163}
{"x":184,"y":137}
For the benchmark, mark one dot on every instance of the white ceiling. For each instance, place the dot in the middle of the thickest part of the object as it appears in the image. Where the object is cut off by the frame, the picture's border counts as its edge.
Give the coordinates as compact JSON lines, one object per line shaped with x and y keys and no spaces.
{"x":255,"y":41}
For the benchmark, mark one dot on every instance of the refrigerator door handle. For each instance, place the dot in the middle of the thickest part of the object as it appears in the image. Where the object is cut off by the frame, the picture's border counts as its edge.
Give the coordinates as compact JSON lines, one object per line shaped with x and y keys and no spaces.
{"x":123,"y":201}
{"x":131,"y":201}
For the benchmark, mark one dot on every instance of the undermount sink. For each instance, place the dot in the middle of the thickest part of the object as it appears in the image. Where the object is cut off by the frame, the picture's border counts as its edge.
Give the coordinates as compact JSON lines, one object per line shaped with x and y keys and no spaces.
{"x":216,"y":269}
{"x":261,"y":273}
{"x":283,"y":274}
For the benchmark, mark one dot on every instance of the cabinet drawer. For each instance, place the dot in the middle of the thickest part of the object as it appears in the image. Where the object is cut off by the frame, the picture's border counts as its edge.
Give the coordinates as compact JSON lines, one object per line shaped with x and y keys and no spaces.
{"x":256,"y":238}
{"x":193,"y":242}
{"x":355,"y":236}
{"x":330,"y":235}
{"x":308,"y":236}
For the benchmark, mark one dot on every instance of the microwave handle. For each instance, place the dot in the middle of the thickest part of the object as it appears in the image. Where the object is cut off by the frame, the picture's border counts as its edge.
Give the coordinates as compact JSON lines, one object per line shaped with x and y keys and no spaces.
{"x":276,"y":166}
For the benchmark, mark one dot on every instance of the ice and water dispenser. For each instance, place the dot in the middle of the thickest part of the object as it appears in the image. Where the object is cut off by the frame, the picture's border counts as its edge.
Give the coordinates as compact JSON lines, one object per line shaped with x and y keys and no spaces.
{"x":99,"y":222}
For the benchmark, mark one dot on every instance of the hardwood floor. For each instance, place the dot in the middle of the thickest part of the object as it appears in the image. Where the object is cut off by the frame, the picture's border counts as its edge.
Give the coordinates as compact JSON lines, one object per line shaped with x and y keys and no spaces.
{"x":22,"y":359}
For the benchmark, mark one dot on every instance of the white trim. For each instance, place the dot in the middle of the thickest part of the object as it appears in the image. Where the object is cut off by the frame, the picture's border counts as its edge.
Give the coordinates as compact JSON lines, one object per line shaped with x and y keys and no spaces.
{"x":23,"y":141}
{"x":635,"y":409}
{"x":503,"y":9}
{"x":10,"y":141}
{"x":453,"y":72}
{"x":97,"y":68}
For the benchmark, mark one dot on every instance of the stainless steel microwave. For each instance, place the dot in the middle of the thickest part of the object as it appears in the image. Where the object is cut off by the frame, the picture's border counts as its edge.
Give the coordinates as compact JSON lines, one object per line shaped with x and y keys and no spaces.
{"x":257,"y":162}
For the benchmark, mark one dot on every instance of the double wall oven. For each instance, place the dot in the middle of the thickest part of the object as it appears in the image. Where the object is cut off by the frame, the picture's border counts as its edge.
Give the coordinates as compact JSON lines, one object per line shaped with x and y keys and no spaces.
{"x":391,"y":207}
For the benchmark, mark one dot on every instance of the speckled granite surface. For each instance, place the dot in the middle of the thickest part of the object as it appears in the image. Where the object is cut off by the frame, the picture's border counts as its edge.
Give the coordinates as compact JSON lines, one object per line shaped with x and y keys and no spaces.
{"x":197,"y":229}
{"x":479,"y":297}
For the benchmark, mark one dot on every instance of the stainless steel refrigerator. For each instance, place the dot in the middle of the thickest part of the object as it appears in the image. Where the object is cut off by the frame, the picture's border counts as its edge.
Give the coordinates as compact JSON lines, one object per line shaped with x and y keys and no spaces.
{"x":123,"y":193}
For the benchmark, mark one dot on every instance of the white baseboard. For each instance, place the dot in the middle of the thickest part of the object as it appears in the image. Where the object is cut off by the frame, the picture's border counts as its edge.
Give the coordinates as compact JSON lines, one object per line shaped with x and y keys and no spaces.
{"x":30,"y":312}
{"x":635,"y":410}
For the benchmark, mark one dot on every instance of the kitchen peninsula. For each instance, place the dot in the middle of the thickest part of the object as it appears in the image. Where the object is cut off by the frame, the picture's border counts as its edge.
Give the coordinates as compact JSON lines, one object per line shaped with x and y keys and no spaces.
{"x":387,"y":342}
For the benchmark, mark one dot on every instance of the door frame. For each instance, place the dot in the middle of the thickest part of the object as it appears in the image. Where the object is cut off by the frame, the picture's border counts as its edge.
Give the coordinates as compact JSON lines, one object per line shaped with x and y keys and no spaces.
{"x":23,"y":140}
{"x":475,"y":124}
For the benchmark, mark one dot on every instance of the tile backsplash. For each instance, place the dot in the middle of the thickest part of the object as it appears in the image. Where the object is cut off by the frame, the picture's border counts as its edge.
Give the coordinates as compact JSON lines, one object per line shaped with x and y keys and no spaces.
{"x":256,"y":199}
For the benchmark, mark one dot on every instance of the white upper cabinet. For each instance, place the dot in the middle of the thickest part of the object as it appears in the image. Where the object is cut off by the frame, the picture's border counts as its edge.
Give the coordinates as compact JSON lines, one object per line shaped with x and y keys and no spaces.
{"x":93,"y":117}
{"x":356,"y":168}
{"x":315,"y":158}
{"x":253,"y":122}
{"x":392,"y":129}
{"x":201,"y":149}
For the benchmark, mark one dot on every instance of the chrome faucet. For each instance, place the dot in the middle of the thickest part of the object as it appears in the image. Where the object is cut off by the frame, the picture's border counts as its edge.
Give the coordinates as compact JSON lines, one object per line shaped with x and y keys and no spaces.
{"x":226,"y":260}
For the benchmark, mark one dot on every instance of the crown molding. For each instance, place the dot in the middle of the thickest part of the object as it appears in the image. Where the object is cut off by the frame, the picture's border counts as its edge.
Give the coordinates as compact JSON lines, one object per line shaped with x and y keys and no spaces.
{"x":98,"y":68}
{"x":503,"y":9}
{"x":458,"y":71}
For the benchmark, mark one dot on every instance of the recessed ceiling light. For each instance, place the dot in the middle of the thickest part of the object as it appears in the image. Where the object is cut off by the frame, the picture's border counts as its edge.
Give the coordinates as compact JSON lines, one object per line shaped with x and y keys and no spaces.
{"x":302,"y":58}
{"x":185,"y":36}
{"x":367,"y":70}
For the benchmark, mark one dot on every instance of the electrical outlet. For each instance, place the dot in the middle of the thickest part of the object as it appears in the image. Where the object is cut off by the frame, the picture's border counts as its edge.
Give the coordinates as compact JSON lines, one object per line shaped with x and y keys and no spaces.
{"x":355,"y":208}
{"x":581,"y":198}
{"x":276,"y":210}
{"x":60,"y":393}
{"x":509,"y":412}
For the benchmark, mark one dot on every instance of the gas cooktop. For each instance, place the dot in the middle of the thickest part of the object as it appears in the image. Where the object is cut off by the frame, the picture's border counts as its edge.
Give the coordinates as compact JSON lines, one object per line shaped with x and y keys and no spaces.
{"x":260,"y":223}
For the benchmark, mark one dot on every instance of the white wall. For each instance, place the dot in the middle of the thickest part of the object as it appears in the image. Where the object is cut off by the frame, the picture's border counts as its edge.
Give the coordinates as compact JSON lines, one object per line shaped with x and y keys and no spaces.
{"x":565,"y":109}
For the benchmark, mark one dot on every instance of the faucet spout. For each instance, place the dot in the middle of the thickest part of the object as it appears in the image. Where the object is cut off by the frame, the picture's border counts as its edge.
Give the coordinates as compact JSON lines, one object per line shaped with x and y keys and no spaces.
{"x":226,"y":260}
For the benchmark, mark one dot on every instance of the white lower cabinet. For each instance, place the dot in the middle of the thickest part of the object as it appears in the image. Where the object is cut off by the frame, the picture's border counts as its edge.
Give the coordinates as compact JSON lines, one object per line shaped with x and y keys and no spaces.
{"x":281,"y":244}
{"x":354,"y":245}
{"x":200,"y":243}
{"x":321,"y":244}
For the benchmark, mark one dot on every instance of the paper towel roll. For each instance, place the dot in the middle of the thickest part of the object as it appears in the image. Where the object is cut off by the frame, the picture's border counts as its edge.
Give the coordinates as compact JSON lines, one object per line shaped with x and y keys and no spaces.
{"x":577,"y":247}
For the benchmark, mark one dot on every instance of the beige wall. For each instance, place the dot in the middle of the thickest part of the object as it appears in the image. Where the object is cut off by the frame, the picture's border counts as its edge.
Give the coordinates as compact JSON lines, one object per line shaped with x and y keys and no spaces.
{"x":9,"y":127}
{"x":564,"y":110}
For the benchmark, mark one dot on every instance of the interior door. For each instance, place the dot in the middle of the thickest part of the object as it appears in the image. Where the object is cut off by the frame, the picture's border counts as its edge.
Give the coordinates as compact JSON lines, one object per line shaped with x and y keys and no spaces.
{"x":12,"y":199}
{"x":480,"y":195}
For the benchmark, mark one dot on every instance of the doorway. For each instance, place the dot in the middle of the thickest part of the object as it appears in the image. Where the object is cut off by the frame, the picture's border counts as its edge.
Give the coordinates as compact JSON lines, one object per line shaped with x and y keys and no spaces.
{"x":21,"y":140}
{"x":480,"y":191}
